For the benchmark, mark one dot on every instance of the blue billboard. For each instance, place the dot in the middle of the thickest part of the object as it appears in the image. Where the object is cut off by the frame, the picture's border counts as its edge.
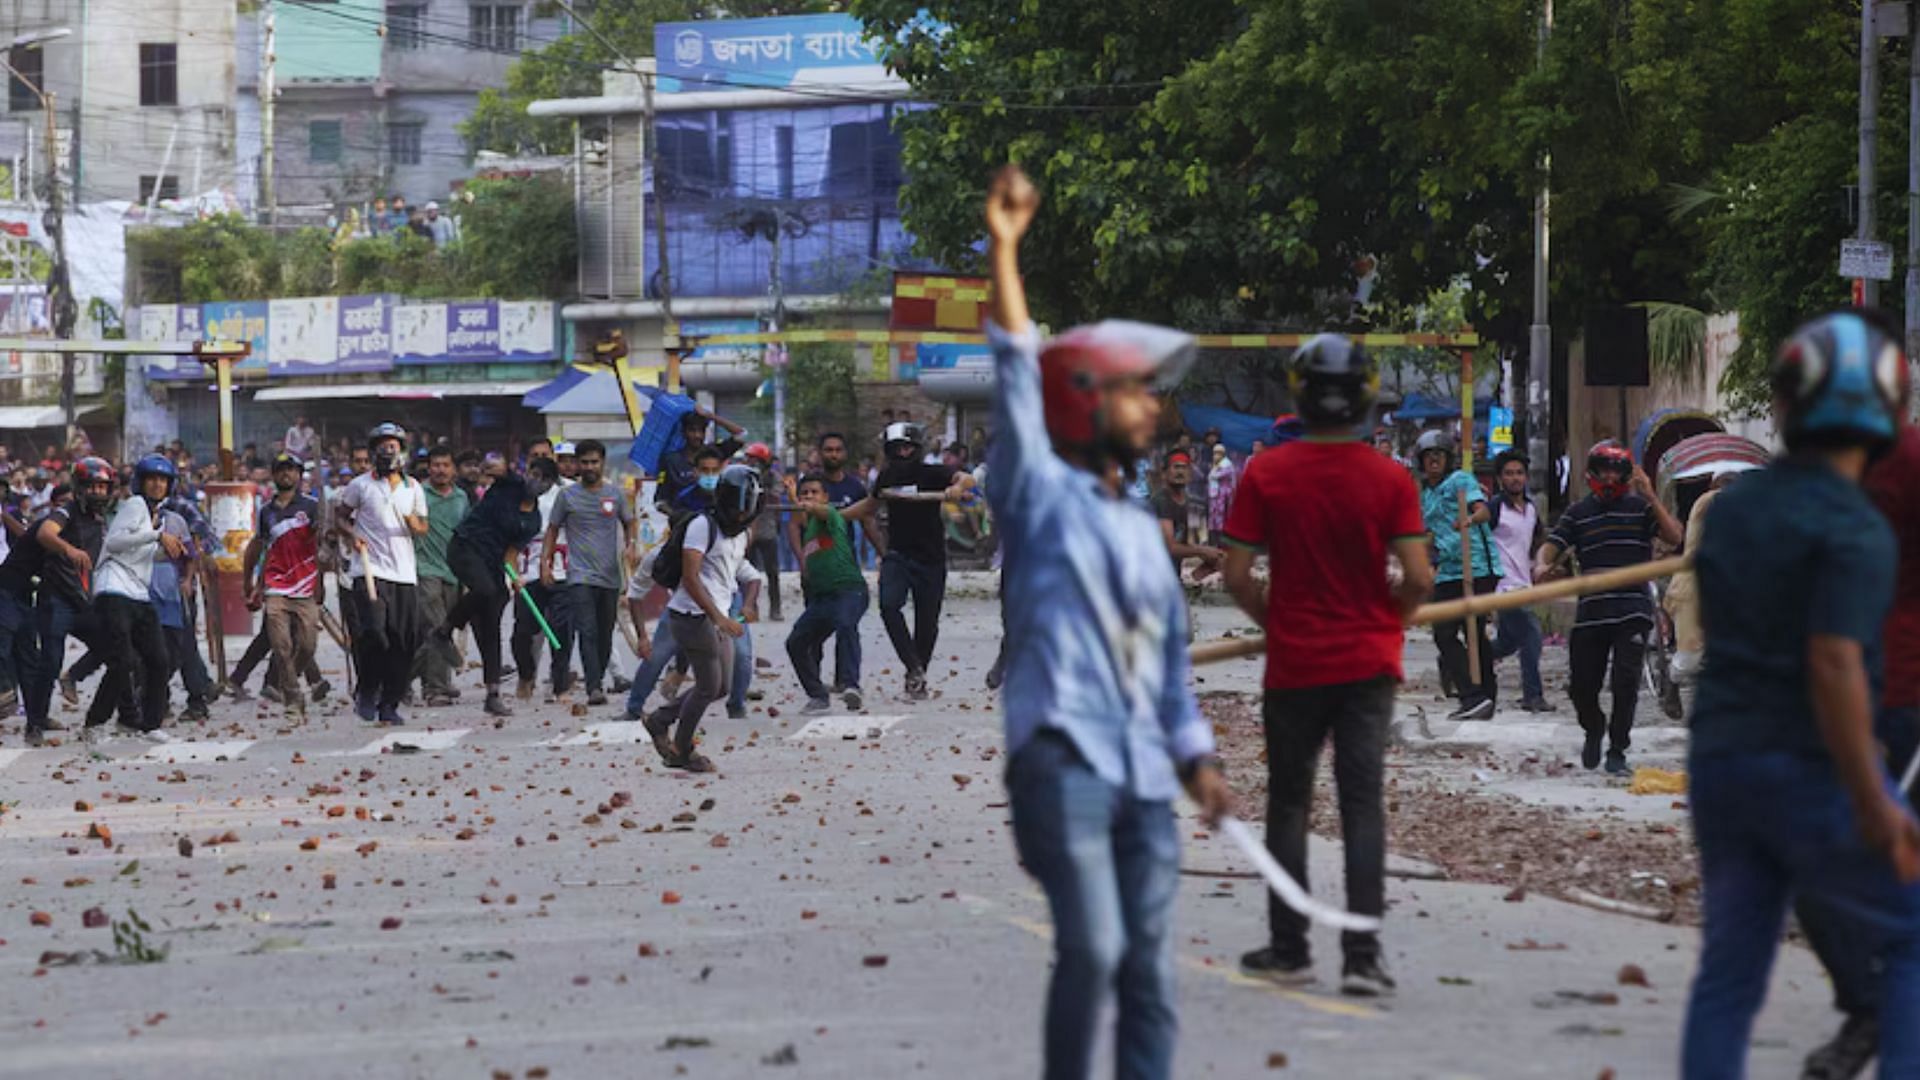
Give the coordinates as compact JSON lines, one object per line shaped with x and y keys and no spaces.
{"x":785,"y":51}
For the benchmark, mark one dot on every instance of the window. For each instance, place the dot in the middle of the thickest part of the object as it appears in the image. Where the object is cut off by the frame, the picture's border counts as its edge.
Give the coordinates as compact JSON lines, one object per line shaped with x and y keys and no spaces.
{"x":23,"y":89}
{"x":169,"y":187}
{"x":323,"y":142}
{"x":407,"y":26}
{"x":159,"y":75}
{"x":783,"y":159}
{"x":863,"y":161}
{"x":494,"y":26}
{"x":403,"y":143}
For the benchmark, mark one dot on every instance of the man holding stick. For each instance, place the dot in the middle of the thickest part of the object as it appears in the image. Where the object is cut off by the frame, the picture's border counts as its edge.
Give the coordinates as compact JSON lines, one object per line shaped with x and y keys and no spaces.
{"x":382,"y":511}
{"x":292,"y":589}
{"x":1328,"y":511}
{"x":484,"y":545}
{"x":1102,"y":730}
{"x":1610,"y":528}
{"x":1456,"y":515}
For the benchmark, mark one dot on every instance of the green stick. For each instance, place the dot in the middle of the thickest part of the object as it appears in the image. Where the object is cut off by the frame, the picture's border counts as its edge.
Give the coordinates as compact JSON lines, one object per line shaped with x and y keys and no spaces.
{"x":552,"y":638}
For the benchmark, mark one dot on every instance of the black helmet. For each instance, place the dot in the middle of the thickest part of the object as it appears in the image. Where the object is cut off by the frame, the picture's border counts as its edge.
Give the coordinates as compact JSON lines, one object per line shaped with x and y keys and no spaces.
{"x":1333,"y":380}
{"x":903,"y":433}
{"x":736,"y":498}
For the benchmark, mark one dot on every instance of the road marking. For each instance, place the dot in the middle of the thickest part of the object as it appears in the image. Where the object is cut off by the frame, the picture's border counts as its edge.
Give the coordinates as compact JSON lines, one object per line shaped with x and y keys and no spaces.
{"x":10,"y":755}
{"x":844,"y":727}
{"x":445,"y":739}
{"x":606,"y":733}
{"x":188,"y":752}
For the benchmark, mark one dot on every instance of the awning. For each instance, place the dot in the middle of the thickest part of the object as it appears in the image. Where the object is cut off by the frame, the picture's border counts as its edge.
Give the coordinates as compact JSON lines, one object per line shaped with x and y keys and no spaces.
{"x":553,"y":388}
{"x":597,"y":395}
{"x":402,"y":391}
{"x":29,"y":417}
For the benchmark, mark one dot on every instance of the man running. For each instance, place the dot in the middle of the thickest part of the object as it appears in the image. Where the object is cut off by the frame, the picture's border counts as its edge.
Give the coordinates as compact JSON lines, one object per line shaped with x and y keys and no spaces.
{"x":439,"y":589}
{"x":71,"y":537}
{"x":916,"y":561}
{"x":484,"y":545}
{"x":1612,"y":527}
{"x":1518,"y":532}
{"x":130,"y":635}
{"x":1440,"y":503}
{"x":1101,"y":729}
{"x":835,"y":592}
{"x":382,"y":511}
{"x":1328,"y":511}
{"x":528,"y":641}
{"x":599,"y":527}
{"x":1790,"y":797}
{"x":290,"y":588}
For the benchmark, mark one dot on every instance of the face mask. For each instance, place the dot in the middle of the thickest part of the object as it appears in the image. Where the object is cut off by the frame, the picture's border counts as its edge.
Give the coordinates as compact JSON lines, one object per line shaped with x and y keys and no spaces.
{"x":538,"y":486}
{"x":386,"y":463}
{"x":709,"y":483}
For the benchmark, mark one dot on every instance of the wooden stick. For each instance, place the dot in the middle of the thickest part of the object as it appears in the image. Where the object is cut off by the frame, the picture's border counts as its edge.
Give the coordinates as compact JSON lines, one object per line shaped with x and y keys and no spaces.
{"x":1466,"y":591}
{"x":1214,"y":652}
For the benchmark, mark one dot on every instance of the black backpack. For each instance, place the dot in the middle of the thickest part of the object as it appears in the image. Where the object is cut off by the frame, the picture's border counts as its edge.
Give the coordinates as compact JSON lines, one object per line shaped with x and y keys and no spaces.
{"x":668,"y":560}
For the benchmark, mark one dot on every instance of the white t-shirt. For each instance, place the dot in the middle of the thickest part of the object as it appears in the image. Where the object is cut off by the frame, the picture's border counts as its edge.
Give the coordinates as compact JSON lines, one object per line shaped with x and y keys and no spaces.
{"x":379,"y":518}
{"x":724,"y":567}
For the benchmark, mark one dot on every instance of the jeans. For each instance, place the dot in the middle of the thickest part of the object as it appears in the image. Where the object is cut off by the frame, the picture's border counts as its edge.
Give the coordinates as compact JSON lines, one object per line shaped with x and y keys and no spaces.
{"x":438,"y":658}
{"x":1110,"y":865}
{"x":594,"y":609}
{"x":1297,"y":723}
{"x":1588,"y":651}
{"x":527,"y":638}
{"x":839,"y":615}
{"x":54,"y":618}
{"x":699,"y":640}
{"x":134,"y":646}
{"x":486,"y":596}
{"x":927,"y":583}
{"x":1450,"y":637}
{"x":19,"y":645}
{"x":293,"y":628}
{"x":1770,"y":826}
{"x":1520,"y":634}
{"x":384,"y":644}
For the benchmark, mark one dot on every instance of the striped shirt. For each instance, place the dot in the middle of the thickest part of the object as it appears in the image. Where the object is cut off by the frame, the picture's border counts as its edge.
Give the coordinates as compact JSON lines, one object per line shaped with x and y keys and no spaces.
{"x":1607,"y":536}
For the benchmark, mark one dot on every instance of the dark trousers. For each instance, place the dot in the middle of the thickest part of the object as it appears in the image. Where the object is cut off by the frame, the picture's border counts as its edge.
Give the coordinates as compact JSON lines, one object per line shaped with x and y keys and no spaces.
{"x":387,"y":637}
{"x":593,"y":611}
{"x":527,"y":638}
{"x":837,"y":615}
{"x":1297,"y":723}
{"x":480,"y":607}
{"x":136,"y":649}
{"x":926,"y":582}
{"x":1451,"y":639}
{"x":709,"y":654}
{"x":19,"y":645}
{"x":765,"y":556}
{"x":1588,"y":650}
{"x":55,"y":618}
{"x":183,"y":656}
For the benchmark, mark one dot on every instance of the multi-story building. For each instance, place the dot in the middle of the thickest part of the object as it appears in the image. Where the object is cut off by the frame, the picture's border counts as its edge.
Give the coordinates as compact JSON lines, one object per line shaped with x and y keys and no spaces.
{"x":143,"y":92}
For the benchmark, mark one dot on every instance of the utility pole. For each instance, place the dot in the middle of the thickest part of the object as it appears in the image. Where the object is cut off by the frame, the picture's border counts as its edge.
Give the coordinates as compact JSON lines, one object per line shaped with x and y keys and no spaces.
{"x":1869,"y":289}
{"x":1540,"y":334}
{"x":648,"y":76}
{"x":778,"y":351}
{"x":1913,"y":185}
{"x":267,"y":93}
{"x":64,"y":310}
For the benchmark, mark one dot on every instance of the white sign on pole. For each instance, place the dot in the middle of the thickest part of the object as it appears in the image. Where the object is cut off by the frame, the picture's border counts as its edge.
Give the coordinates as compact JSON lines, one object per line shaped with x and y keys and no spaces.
{"x":1866,"y":259}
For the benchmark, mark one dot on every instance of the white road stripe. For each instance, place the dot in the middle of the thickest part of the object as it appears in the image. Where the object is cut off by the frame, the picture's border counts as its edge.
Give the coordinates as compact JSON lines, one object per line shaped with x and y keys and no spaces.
{"x":840,"y":727}
{"x":424,"y":740}
{"x":10,"y":755}
{"x":187,"y":752}
{"x":606,"y":733}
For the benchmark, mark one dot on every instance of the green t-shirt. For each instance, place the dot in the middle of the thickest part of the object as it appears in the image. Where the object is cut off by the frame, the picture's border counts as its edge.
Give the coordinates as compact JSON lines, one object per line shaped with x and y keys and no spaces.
{"x":443,"y":516}
{"x":826,"y":549}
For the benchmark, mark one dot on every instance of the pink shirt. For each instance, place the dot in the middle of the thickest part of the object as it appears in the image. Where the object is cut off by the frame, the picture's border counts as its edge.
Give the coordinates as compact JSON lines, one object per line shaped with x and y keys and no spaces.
{"x":1514,"y":537}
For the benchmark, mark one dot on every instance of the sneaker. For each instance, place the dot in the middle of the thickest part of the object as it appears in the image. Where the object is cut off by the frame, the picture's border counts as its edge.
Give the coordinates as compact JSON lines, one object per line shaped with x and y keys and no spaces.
{"x":366,"y":710}
{"x":1365,"y":977}
{"x":1536,"y":705}
{"x":198,"y":713}
{"x":1617,"y":763}
{"x":321,"y":691}
{"x":596,"y":696}
{"x":916,"y":686}
{"x":524,"y":691}
{"x":69,"y":690}
{"x":297,"y":710}
{"x":621,"y":684}
{"x":390,"y":717}
{"x":497,"y":706}
{"x":131,"y":731}
{"x":272,"y":693}
{"x":238,"y":692}
{"x":1848,"y":1054}
{"x":96,"y":736}
{"x":1281,"y":969}
{"x":1479,"y":710}
{"x":852,"y":700}
{"x":36,"y":736}
{"x":816,"y":706}
{"x":736,"y":712}
{"x":1590,"y":751}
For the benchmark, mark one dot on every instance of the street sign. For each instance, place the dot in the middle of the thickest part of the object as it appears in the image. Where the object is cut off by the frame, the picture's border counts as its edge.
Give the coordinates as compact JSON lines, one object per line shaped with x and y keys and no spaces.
{"x":1499,"y":429}
{"x":1866,"y":259}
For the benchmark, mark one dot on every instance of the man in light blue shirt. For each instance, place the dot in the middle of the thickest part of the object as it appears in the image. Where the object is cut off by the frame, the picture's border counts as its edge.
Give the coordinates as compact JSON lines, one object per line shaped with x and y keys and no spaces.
{"x":1102,"y":730}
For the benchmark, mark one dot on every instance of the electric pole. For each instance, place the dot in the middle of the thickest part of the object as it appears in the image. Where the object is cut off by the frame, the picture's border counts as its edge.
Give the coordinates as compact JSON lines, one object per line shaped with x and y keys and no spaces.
{"x":63,"y":309}
{"x":1869,"y":102}
{"x":1540,"y":334}
{"x":267,"y":94}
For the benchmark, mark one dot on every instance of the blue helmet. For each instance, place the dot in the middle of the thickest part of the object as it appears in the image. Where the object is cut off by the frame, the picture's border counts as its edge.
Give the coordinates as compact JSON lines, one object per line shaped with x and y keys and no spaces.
{"x":1843,"y":380}
{"x":155,"y":465}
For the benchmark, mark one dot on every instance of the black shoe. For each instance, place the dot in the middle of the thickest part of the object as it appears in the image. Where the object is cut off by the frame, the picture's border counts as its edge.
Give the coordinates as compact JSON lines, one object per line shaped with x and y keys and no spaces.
{"x":1590,"y":751}
{"x":1536,"y":705}
{"x":1479,"y":710}
{"x":596,"y":696}
{"x":1617,"y":763}
{"x":736,"y":712}
{"x":36,"y":736}
{"x":390,"y":717}
{"x":321,"y":690}
{"x":238,"y":691}
{"x":1849,"y":1052}
{"x":1283,"y":969}
{"x":916,"y":686}
{"x":1363,"y":976}
{"x":621,"y":684}
{"x":496,"y":706}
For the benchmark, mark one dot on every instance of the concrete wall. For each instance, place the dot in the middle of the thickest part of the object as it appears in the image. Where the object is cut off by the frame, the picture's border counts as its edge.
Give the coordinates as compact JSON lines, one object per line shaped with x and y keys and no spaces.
{"x":443,"y":152}
{"x":358,"y":175}
{"x":95,"y":72}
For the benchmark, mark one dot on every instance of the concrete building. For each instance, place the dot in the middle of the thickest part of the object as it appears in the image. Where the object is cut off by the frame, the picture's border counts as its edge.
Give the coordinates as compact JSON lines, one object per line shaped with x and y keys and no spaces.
{"x":144,"y":92}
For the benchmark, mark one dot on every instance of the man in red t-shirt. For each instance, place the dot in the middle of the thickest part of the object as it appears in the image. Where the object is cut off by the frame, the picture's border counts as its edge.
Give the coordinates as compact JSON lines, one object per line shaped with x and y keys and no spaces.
{"x":1328,"y":511}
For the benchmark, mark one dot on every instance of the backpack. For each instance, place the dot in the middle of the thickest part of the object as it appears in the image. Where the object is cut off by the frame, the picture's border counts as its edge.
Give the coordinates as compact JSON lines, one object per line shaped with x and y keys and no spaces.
{"x":668,"y":560}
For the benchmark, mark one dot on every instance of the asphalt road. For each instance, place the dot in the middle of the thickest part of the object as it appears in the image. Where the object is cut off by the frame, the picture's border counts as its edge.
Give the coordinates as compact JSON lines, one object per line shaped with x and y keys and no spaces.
{"x":541,"y":898}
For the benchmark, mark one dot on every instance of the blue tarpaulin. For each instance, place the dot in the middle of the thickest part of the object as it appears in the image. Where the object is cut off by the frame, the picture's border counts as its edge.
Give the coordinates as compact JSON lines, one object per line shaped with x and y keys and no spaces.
{"x":1238,"y":430}
{"x":1418,"y":407}
{"x":553,"y":388}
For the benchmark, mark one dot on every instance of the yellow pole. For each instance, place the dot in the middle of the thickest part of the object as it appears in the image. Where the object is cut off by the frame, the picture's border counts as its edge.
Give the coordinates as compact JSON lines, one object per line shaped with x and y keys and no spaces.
{"x":223,"y":378}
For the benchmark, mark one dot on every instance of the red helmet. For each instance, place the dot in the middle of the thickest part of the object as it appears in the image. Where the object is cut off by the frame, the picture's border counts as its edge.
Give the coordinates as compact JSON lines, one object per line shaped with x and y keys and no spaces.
{"x":88,"y":469}
{"x":758,"y":452}
{"x":1609,"y":465}
{"x":1078,"y":367}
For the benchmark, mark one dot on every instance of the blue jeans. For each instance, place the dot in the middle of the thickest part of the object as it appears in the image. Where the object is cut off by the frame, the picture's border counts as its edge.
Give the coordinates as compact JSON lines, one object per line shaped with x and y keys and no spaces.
{"x":1110,"y":865}
{"x":1520,"y":633}
{"x":837,"y":615}
{"x":19,"y":642}
{"x":1770,"y":826}
{"x":647,"y":675}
